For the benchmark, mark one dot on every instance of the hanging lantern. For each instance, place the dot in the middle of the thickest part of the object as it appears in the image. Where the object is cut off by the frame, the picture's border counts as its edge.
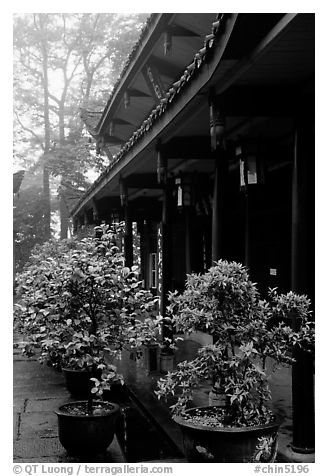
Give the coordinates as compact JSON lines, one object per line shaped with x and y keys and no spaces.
{"x":178,"y":183}
{"x":126,"y":99}
{"x":217,"y":126}
{"x":123,"y":192}
{"x":183,"y":191}
{"x":95,"y":216}
{"x":167,"y":42}
{"x":115,"y":216}
{"x":111,"y":128}
{"x":247,"y":155}
{"x":161,"y":168}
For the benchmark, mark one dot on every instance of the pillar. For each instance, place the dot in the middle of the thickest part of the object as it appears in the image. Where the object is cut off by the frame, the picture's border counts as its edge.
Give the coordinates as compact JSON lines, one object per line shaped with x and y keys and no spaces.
{"x":128,"y":236}
{"x":302,"y":278}
{"x":217,"y":126}
{"x":164,"y":262}
{"x":63,"y":218}
{"x":188,"y":240}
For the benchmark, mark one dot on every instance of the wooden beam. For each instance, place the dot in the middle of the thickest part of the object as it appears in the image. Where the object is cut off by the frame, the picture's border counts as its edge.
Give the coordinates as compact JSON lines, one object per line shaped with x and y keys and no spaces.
{"x":164,"y":67}
{"x":120,"y":122}
{"x":169,"y":121}
{"x":138,"y":94}
{"x":190,"y":147}
{"x":266,"y":43}
{"x":149,"y":40}
{"x":262,"y":101}
{"x":112,"y":139}
{"x":143,"y":181}
{"x":178,"y":30}
{"x":154,"y":82}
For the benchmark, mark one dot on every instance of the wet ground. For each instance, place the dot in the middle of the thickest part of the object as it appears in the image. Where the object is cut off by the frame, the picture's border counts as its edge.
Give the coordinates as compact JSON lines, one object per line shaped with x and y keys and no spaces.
{"x":40,"y":390}
{"x":145,"y":431}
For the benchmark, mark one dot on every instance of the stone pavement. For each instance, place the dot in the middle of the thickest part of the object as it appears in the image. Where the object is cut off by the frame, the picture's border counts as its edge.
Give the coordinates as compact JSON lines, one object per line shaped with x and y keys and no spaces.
{"x":40,"y":390}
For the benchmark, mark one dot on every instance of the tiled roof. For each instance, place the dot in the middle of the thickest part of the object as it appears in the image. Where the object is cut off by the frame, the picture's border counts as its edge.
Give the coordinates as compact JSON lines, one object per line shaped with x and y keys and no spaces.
{"x":92,"y":118}
{"x":132,"y":55}
{"x":189,"y":74}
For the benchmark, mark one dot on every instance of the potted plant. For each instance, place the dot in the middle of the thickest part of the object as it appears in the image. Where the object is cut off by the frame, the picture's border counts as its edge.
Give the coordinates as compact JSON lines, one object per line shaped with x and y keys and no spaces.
{"x":86,"y":428}
{"x":79,"y":303}
{"x":247,"y":330}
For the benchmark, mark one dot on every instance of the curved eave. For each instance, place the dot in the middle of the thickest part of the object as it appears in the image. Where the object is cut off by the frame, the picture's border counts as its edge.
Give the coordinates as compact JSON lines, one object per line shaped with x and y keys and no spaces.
{"x":206,"y":62}
{"x":159,"y":21}
{"x":288,"y":38}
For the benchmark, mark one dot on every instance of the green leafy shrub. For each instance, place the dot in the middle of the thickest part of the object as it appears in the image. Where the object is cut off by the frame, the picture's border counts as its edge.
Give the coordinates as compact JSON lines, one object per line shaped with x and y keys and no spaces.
{"x":246,"y":329}
{"x":77,"y":299}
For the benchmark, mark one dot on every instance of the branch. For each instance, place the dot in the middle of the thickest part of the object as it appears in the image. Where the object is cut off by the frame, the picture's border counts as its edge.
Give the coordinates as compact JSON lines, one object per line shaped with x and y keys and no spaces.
{"x":34,"y":71}
{"x":69,"y":79}
{"x":54,"y":98}
{"x":30,"y":131}
{"x":54,"y":109}
{"x":99,"y":62}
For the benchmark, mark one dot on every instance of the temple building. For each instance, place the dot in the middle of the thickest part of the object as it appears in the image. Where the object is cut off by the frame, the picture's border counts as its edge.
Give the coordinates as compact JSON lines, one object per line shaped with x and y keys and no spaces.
{"x":214,"y":116}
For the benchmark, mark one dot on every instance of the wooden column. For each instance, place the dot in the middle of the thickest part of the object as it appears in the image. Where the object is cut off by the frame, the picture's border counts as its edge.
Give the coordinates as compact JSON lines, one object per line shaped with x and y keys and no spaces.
{"x":63,"y":218}
{"x":188,"y":240}
{"x":165,"y":253}
{"x":95,"y":212}
{"x":143,"y":251}
{"x":75,"y":224}
{"x":166,"y":266}
{"x":247,"y":230}
{"x":217,"y":125}
{"x":86,"y":218}
{"x":128,"y":238}
{"x":302,"y":278}
{"x":164,"y":263}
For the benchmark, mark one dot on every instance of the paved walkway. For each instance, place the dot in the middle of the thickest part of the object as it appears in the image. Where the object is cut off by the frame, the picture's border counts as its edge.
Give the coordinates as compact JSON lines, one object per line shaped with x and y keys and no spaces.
{"x":40,"y":390}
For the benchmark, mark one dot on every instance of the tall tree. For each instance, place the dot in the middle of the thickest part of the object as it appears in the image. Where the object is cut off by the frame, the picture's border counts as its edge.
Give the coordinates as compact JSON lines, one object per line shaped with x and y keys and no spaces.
{"x":61,"y":62}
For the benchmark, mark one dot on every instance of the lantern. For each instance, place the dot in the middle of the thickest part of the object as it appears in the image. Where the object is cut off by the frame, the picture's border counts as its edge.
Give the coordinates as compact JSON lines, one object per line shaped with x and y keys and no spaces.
{"x":123,"y":192}
{"x":248,"y":164}
{"x":183,"y":191}
{"x":126,"y":99}
{"x":217,"y":126}
{"x":115,"y":216}
{"x":167,"y":42}
{"x":161,"y":168}
{"x":111,"y":128}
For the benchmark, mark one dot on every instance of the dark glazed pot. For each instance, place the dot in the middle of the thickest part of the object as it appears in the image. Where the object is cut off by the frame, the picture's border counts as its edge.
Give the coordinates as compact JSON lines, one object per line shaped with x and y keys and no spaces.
{"x":229,"y":445}
{"x":117,"y":393}
{"x":78,"y":381}
{"x":86,"y":435}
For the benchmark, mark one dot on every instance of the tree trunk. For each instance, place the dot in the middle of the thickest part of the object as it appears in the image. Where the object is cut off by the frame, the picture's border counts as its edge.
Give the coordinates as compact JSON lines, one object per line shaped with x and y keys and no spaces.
{"x":46,"y":182}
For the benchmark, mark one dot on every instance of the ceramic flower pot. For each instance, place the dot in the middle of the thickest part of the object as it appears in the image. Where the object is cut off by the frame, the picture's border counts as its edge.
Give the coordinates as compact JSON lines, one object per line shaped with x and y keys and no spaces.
{"x":117,"y":393}
{"x":78,"y":381}
{"x":166,"y":362}
{"x":83,"y":434}
{"x":204,"y":444}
